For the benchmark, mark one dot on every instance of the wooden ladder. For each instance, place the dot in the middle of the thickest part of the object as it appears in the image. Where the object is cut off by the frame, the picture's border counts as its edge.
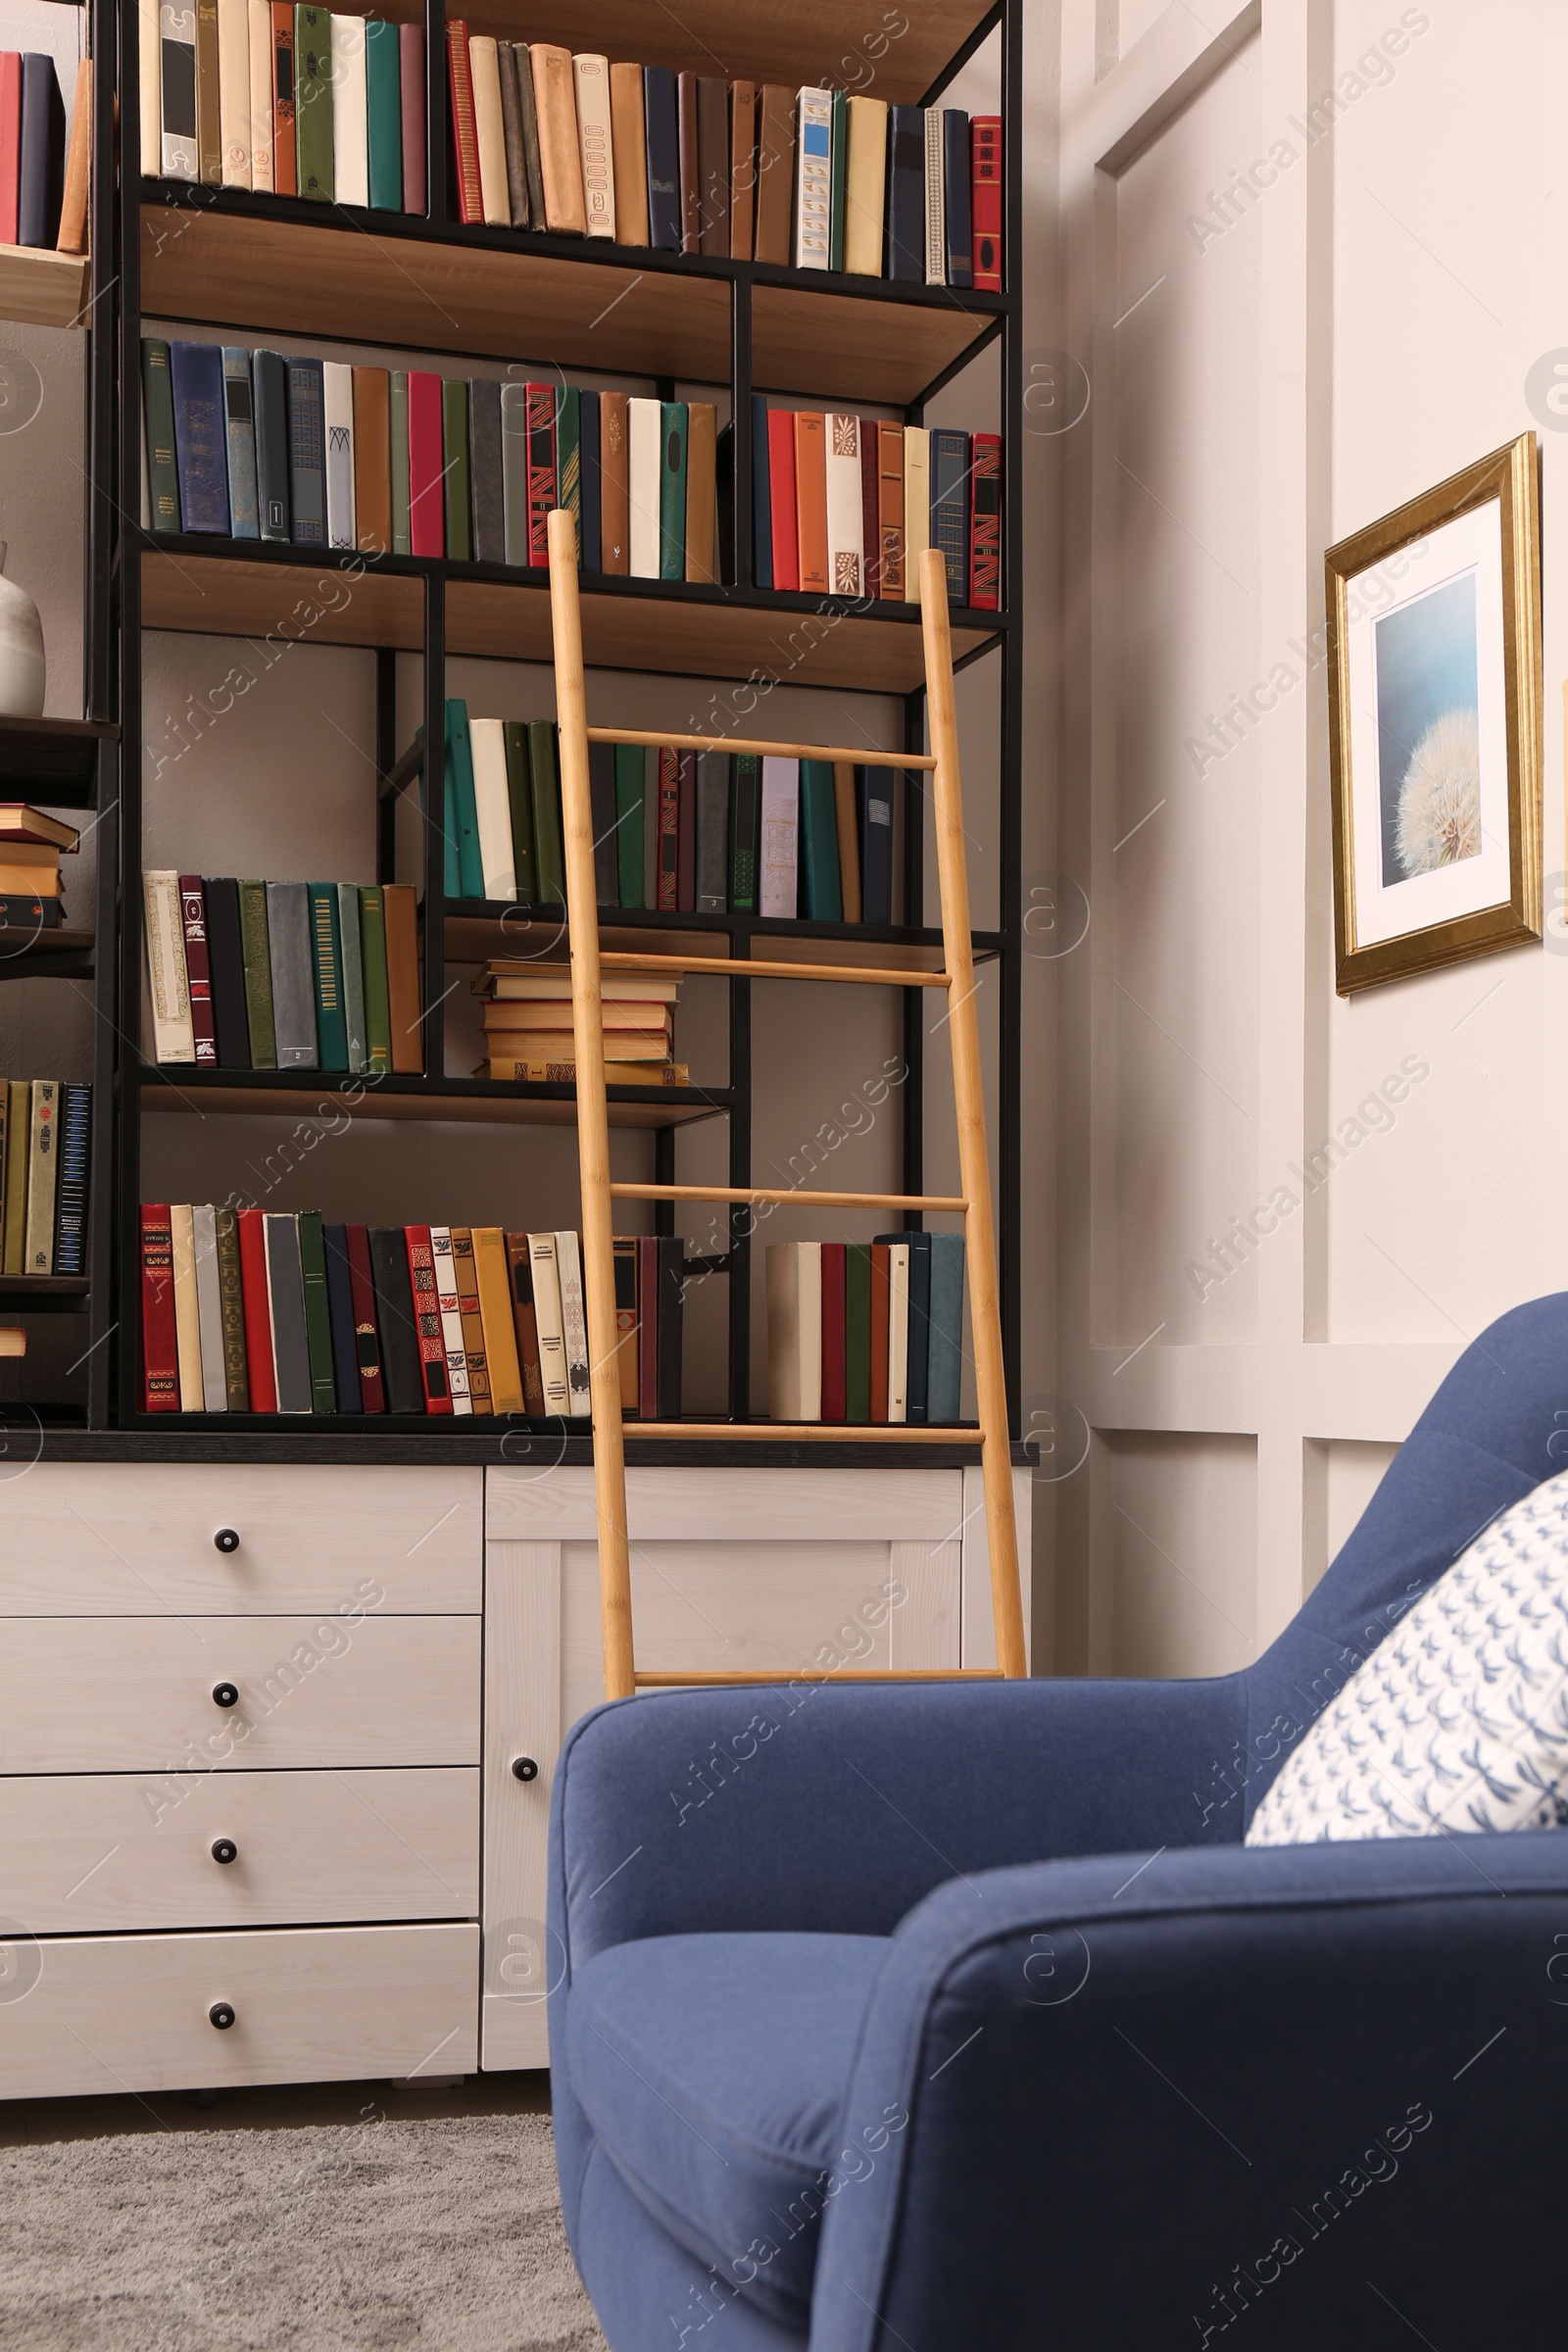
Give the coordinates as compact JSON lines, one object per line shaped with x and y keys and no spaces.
{"x":599,"y":1194}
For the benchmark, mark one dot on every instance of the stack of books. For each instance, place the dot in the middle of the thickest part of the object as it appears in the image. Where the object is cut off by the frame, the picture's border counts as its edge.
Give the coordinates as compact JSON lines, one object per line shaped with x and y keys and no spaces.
{"x":284,"y":101}
{"x":31,"y":846}
{"x":866,"y":1331}
{"x":690,"y":162}
{"x":283,"y":975}
{"x":44,"y":192}
{"x":45,"y":1144}
{"x":847,"y":505}
{"x":529,"y":1032}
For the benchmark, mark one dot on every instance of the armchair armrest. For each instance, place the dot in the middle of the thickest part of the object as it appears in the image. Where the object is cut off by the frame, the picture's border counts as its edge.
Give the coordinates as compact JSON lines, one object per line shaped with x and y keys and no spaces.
{"x":1118,"y":2109}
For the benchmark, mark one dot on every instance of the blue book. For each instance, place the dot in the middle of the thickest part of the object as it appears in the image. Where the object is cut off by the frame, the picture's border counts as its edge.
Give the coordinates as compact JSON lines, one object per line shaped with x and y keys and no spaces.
{"x":949,"y":509}
{"x":662,"y":139}
{"x":945,"y":1353}
{"x":71,"y":1181}
{"x":307,"y":453}
{"x":906,"y":197}
{"x":244,"y":521}
{"x":196,"y":377}
{"x":955,"y":173}
{"x":762,"y":496}
{"x":875,"y":792}
{"x":340,"y":1304}
{"x":592,"y":526}
{"x":41,"y":165}
{"x":463,"y":811}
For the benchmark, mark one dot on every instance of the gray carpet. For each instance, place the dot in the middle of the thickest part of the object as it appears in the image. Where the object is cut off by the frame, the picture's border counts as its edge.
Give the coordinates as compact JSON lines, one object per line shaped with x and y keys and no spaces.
{"x":428,"y":2234}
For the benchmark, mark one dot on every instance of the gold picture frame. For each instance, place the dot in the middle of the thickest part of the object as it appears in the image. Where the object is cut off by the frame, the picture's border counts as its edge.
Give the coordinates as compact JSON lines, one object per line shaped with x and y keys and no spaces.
{"x":1439,"y":600}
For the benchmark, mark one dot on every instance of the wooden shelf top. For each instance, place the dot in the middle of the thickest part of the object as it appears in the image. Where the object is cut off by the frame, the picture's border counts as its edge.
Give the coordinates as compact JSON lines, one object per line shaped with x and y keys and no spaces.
{"x":44,"y":1293}
{"x":538,"y":934}
{"x":41,"y":288}
{"x":266,"y":1093}
{"x":53,"y":762}
{"x":32,"y":954}
{"x":617,"y":310}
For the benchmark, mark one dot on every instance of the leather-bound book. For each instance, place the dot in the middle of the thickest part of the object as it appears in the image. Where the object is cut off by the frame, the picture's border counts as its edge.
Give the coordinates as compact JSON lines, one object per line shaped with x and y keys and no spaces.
{"x":662,"y":142}
{"x":312,"y":102}
{"x":520,"y":1269}
{"x":160,"y":1356}
{"x":865,"y":187}
{"x":891,"y":580}
{"x":810,"y":501}
{"x":511,"y":135}
{"x":904,"y":252}
{"x":484,"y":470}
{"x":403,"y":976}
{"x":522,"y":67}
{"x":464,"y":127}
{"x":591,"y":88}
{"x":232,"y":1312}
{"x":690,"y":163}
{"x":285,"y":164}
{"x":701,"y":490}
{"x":493,"y":1284}
{"x":396,"y":1325}
{"x":289,"y":938}
{"x":713,"y":165}
{"x":372,"y":460}
{"x":559,"y":152}
{"x":629,"y":145}
{"x":833,"y":1332}
{"x":318,"y":1312}
{"x":411,"y":90}
{"x":984,"y":522}
{"x":485,"y":77}
{"x":427,"y":1319}
{"x":259,"y":1372}
{"x":986,"y":200}
{"x":209,"y":114}
{"x":340,"y":1319}
{"x":957,"y":167}
{"x":226,"y":958}
{"x":367,"y":1338}
{"x":775,"y":174}
{"x":614,"y":526}
{"x":741,"y":170}
{"x":426,"y":526}
{"x":285,"y":1299}
{"x":383,"y":106}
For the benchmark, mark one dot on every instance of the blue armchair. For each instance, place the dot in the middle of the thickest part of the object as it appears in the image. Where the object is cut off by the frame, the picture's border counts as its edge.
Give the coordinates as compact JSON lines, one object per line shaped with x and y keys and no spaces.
{"x":959,"y":2015}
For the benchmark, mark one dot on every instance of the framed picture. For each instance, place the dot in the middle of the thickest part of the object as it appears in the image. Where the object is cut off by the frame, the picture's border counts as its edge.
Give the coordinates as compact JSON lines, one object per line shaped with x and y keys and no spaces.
{"x":1435,"y":725}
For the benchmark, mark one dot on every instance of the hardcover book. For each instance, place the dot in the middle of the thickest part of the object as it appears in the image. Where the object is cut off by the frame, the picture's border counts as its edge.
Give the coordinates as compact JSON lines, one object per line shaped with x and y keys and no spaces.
{"x":833,"y":1332}
{"x":813,"y":179}
{"x":744,"y":831}
{"x":986,"y":201}
{"x":208,"y":1308}
{"x":779,"y":827}
{"x":427,"y":1319}
{"x":559,"y":157}
{"x":289,"y":938}
{"x":775,"y":174}
{"x":985,"y":523}
{"x":400,"y":913}
{"x":340,"y":1319}
{"x":285,"y":1299}
{"x":71,"y":1192}
{"x":367,"y":1337}
{"x":519,"y":1267}
{"x":541,"y":469}
{"x":662,"y":146}
{"x":866,"y":193}
{"x":484,"y":69}
{"x":673,"y":425}
{"x":226,"y":954}
{"x":493,"y":1279}
{"x":259,"y":1374}
{"x":232,"y":1312}
{"x":259,"y":16}
{"x":176,"y":46}
{"x":372,"y":459}
{"x":286,"y":153}
{"x":43,"y":1174}
{"x":741,"y":170}
{"x":686,"y":149}
{"x":313,"y":110}
{"x":396,"y":1323}
{"x":269,"y":382}
{"x":198,"y":970}
{"x":410,"y":61}
{"x":383,"y":103}
{"x":451,"y":1312}
{"x":239,"y":434}
{"x":548,"y":1325}
{"x":159,"y":1347}
{"x":196,"y":371}
{"x":846,"y":551}
{"x":158,"y":416}
{"x":956,"y":169}
{"x":337,"y":419}
{"x":174,"y":1033}
{"x":377,"y":1004}
{"x":950,"y":508}
{"x":591,"y":80}
{"x":904,"y":254}
{"x":307,"y":453}
{"x":476,"y":1355}
{"x":187,"y":1320}
{"x":331,"y":1024}
{"x":351,"y":154}
{"x":629,"y":145}
{"x":465,"y":150}
{"x":256,"y":949}
{"x":574,"y":1325}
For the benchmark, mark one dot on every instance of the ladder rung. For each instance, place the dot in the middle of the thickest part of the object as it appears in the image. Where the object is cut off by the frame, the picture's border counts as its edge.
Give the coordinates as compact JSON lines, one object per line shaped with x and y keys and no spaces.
{"x":664,"y":741}
{"x":853,"y":1433}
{"x":801,"y":1199}
{"x":698,"y":967}
{"x":821,"y":1674}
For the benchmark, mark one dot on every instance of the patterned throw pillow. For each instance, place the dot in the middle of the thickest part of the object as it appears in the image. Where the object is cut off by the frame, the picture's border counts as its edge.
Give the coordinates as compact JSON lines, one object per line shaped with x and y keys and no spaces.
{"x":1458,"y":1721}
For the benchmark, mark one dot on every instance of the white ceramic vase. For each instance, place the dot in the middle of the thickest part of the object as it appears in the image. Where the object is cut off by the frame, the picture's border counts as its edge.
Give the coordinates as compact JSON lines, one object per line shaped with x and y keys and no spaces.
{"x":22,"y":663}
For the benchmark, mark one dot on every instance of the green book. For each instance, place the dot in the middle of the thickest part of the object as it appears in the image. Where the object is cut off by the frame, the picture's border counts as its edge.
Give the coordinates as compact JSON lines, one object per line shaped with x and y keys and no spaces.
{"x":629,"y":772}
{"x":838,"y":152}
{"x":744,"y":829}
{"x":372,"y":961}
{"x":549,"y":852}
{"x":312,"y":102}
{"x":326,"y":965}
{"x":401,"y":544}
{"x":821,"y":894}
{"x":257,"y":952}
{"x":568,"y":456}
{"x":674,"y":424}
{"x":383,"y":105}
{"x":348,"y":937}
{"x":455,"y":457}
{"x":519,"y":796}
{"x":857,"y":1330}
{"x":462,"y":809}
{"x":318,"y":1318}
{"x":158,"y":416}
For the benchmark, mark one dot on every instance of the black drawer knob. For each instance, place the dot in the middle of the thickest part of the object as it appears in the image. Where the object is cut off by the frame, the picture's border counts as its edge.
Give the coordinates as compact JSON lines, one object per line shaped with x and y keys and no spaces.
{"x":226,"y":1540}
{"x":224,"y":1695}
{"x":222,"y":2015}
{"x":224,"y":1850}
{"x":523,"y":1768}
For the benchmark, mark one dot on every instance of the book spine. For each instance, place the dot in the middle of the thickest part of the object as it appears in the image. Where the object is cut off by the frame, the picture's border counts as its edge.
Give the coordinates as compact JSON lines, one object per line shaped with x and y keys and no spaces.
{"x":541,"y":469}
{"x":288,"y":937}
{"x":208,"y":1308}
{"x":464,"y":127}
{"x":326,"y":969}
{"x":70,"y":1191}
{"x":813,"y":179}
{"x":232,"y":1312}
{"x":985,"y":527}
{"x":372,"y":460}
{"x":833,"y":1372}
{"x":574,"y":1325}
{"x":285,"y":164}
{"x":159,"y":1360}
{"x":763,"y":566}
{"x":876,"y":845}
{"x":512,"y":134}
{"x":775,"y":174}
{"x":475,"y":1359}
{"x":629,"y":147}
{"x":259,"y":1372}
{"x":741,"y":170}
{"x":158,"y":419}
{"x":602,"y":806}
{"x":629,"y":770}
{"x":891,"y":581}
{"x":879,"y":1330}
{"x":427,"y":1319}
{"x":857,"y":1330}
{"x":198,"y":971}
{"x":402,"y":545}
{"x":149,"y":85}
{"x":669,"y":829}
{"x":463,"y":811}
{"x":201,"y":450}
{"x":945,"y":1355}
{"x":648,"y":1328}
{"x":702,"y":504}
{"x":259,"y":16}
{"x":337,"y":419}
{"x":847,"y":822}
{"x":686,"y":833}
{"x":936,"y":237}
{"x":19,"y":1117}
{"x":313,"y":110}
{"x":306,"y":454}
{"x":234,"y":91}
{"x":592,"y":85}
{"x":838,"y":176}
{"x":644,"y":485}
{"x":549,"y":852}
{"x":811,"y":502}
{"x":689,"y":165}
{"x":373,"y":957}
{"x":225,"y":956}
{"x":870,"y":505}
{"x":367,"y":1337}
{"x":958,"y":167}
{"x":590,"y":546}
{"x":919,"y":1344}
{"x":285,"y":1299}
{"x":662,"y":146}
{"x":426,"y":534}
{"x":950,"y":508}
{"x":397,"y":1325}
{"x":916,"y":506}
{"x":781,"y":820}
{"x":867,"y":187}
{"x":270,"y":401}
{"x":905,"y":250}
{"x":745,"y":830}
{"x":484,"y":470}
{"x":402,"y":920}
{"x":527,"y":107}
{"x":548,"y":1323}
{"x":72,"y":236}
{"x":484,"y":75}
{"x":340,"y":1319}
{"x":568,"y":457}
{"x":669,"y":1321}
{"x":713,"y":165}
{"x":352,"y":960}
{"x":560,"y":153}
{"x":173,"y":1034}
{"x":986,"y":201}
{"x":713,"y":831}
{"x":187,"y":1314}
{"x":256,"y":948}
{"x":493,"y":1285}
{"x":520,"y":1269}
{"x":845,"y":552}
{"x":822,"y":898}
{"x":209,"y":117}
{"x":519,"y":801}
{"x":177,"y":58}
{"x":625,"y":1266}
{"x":411,"y":78}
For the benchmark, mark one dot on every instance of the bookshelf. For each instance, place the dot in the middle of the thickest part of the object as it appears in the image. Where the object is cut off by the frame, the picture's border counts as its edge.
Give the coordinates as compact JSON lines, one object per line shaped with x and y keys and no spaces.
{"x":265,"y":269}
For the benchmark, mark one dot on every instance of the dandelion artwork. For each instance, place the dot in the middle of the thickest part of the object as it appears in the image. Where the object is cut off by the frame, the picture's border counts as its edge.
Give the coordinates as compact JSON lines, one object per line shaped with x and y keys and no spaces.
{"x":1428,"y":732}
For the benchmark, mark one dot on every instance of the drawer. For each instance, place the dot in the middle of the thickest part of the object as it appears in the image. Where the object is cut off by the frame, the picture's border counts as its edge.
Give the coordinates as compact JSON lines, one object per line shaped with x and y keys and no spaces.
{"x":138,"y":1538}
{"x":117,"y":2012}
{"x":108,"y":1852}
{"x":135,"y":1693}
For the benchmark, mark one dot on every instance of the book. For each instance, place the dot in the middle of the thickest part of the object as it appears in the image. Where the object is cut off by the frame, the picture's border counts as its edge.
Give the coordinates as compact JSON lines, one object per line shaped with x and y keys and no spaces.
{"x":838,"y":177}
{"x":286,"y":151}
{"x":629,"y":152}
{"x":176,"y":68}
{"x":340,"y":1319}
{"x":201,"y":442}
{"x":285,"y":1304}
{"x":624,"y":1252}
{"x":372,"y":446}
{"x":520,"y":1271}
{"x":811,"y":502}
{"x":410,"y":63}
{"x":271,"y":426}
{"x":857,"y":1330}
{"x":493,"y":809}
{"x":554,"y":1044}
{"x":662,"y":150}
{"x":257,"y":953}
{"x":368,"y":1362}
{"x":187,"y":1313}
{"x":559,"y":155}
{"x":337,"y":422}
{"x":686,"y":832}
{"x":889,"y":577}
{"x":591,"y":88}
{"x":71,"y":1183}
{"x":209,"y":118}
{"x":520,"y":803}
{"x":41,"y":174}
{"x":351,"y":146}
{"x":397,"y":1326}
{"x":780,"y":816}
{"x":458,"y":526}
{"x":511,"y":135}
{"x":426,"y":462}
{"x":647,"y":1246}
{"x":326,"y":959}
{"x":232,"y":1312}
{"x":465,"y":865}
{"x":372,"y":965}
{"x":433,"y":1353}
{"x":541,"y":469}
{"x":956,"y":169}
{"x":653,"y":820}
{"x":936,"y":234}
{"x":866,"y":193}
{"x":602,"y":809}
{"x":549,"y":855}
{"x":590,"y":537}
{"x":70,"y":233}
{"x":794,"y":1276}
{"x":847,"y":823}
{"x":833,"y":1332}
{"x":514,"y":522}
{"x":19,"y":1122}
{"x":208,"y":1308}
{"x":822,"y":898}
{"x":875,"y":790}
{"x":741,"y":170}
{"x":699,"y":552}
{"x":669,"y":829}
{"x":574,"y":1325}
{"x":400,"y":915}
{"x":898,"y":1329}
{"x":226,"y":969}
{"x":160,"y":1356}
{"x":763,"y":564}
{"x":522,"y":67}
{"x":492,"y":1282}
{"x":813,"y":179}
{"x":984,"y":522}
{"x":916,"y":1250}
{"x":904,"y":254}
{"x":239,"y":443}
{"x":945,"y":1340}
{"x":673,"y":426}
{"x":687,"y":162}
{"x":870,"y":507}
{"x":845,"y":552}
{"x":986,"y":200}
{"x":629,"y":768}
{"x":644,"y":485}
{"x":916,"y":506}
{"x":43,"y":1170}
{"x":150,"y":96}
{"x":465,"y":149}
{"x":484,"y":71}
{"x":669,"y":1308}
{"x":158,"y":416}
{"x":450,"y":1307}
{"x":485,"y":470}
{"x":476,"y":1362}
{"x":745,"y":830}
{"x":775,"y":174}
{"x":548,"y":1325}
{"x":950,"y":508}
{"x":879,"y":1330}
{"x":288,"y":943}
{"x":568,"y":457}
{"x":259,"y":1374}
{"x":198,"y":970}
{"x":173,"y":1031}
{"x":306,"y":454}
{"x":713,"y":165}
{"x":312,"y":129}
{"x":713,"y":832}
{"x":383,"y":113}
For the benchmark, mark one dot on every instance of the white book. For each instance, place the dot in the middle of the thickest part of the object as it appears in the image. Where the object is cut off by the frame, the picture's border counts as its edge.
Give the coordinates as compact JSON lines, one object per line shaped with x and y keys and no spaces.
{"x":234,"y":91}
{"x":351,"y":150}
{"x":173,"y":1037}
{"x":484,"y":73}
{"x":781,"y":817}
{"x":573,"y":1324}
{"x":208,"y":1308}
{"x":846,"y":512}
{"x":813,"y":177}
{"x":262,"y":62}
{"x":592,"y":77}
{"x":897,"y":1331}
{"x":794,"y":1331}
{"x":515,"y":472}
{"x":338,"y":419}
{"x":494,"y":805}
{"x":548,"y":1323}
{"x":149,"y":76}
{"x":451,"y":1306}
{"x":176,"y":41}
{"x":644,"y":453}
{"x":916,"y":506}
{"x":188,"y":1311}
{"x":936,"y":227}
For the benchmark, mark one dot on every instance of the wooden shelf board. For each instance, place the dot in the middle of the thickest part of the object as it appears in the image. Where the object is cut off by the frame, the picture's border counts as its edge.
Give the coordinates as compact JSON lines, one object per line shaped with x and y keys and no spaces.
{"x":295,"y":602}
{"x":476,"y":938}
{"x":26,"y":952}
{"x":44,"y":1293}
{"x":53,"y":762}
{"x":41,"y":288}
{"x":843,"y":347}
{"x":231,"y":1095}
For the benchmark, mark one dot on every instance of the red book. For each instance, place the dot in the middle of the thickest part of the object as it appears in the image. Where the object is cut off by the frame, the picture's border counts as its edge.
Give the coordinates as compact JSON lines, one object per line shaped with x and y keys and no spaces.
{"x":9,"y":145}
{"x":985,"y":200}
{"x":879,"y":1330}
{"x":985,"y":522}
{"x":285,"y":168}
{"x":258,"y":1312}
{"x":834,"y":1407}
{"x":367,"y":1339}
{"x":428,"y":1318}
{"x":781,"y":497}
{"x":198,"y":970}
{"x":160,"y":1353}
{"x":410,"y":61}
{"x":541,"y":469}
{"x":464,"y":139}
{"x":686,"y":832}
{"x":871,"y":504}
{"x":426,"y":465}
{"x":669,"y":829}
{"x":648,"y":1324}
